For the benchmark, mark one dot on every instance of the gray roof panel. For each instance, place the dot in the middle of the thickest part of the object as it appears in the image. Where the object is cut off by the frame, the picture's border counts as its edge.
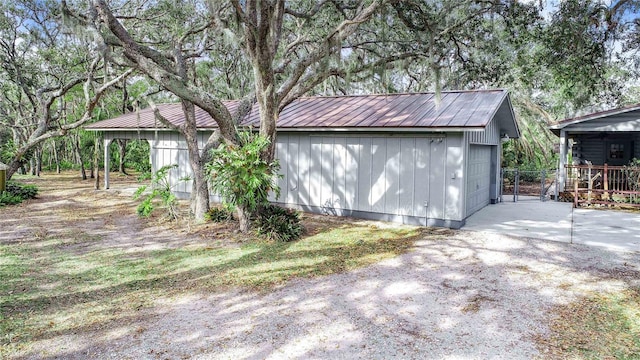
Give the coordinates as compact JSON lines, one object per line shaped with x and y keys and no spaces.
{"x":457,"y":109}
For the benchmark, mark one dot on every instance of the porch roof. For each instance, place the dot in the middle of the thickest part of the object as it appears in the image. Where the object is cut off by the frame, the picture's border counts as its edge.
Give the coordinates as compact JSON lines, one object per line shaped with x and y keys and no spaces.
{"x":624,"y":119}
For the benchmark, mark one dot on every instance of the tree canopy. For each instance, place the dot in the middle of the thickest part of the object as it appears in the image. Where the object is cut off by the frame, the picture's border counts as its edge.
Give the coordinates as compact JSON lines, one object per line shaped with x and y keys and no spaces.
{"x":68,"y":63}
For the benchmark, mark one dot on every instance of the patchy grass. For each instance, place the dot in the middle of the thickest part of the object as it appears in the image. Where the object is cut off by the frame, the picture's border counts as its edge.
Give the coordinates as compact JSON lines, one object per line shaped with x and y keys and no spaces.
{"x":64,"y":277}
{"x":603,"y":326}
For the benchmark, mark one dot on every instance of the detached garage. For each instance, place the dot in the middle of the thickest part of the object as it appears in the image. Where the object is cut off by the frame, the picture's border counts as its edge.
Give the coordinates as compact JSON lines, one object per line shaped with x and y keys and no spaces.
{"x":400,"y":157}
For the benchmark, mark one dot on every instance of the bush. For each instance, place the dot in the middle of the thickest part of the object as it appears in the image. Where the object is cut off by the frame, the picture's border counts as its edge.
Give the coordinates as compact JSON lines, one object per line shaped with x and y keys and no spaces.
{"x":160,"y":189}
{"x":7,"y":198}
{"x":16,"y":193}
{"x":278,"y":223}
{"x":218,"y":215}
{"x":145,"y":176}
{"x":23,"y":191}
{"x":242,"y":177}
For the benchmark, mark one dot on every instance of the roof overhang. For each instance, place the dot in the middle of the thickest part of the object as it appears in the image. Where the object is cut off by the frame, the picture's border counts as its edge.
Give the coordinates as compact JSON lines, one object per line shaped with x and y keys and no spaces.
{"x":456,"y":111}
{"x":625,"y":119}
{"x":506,"y":119}
{"x":320,"y":129}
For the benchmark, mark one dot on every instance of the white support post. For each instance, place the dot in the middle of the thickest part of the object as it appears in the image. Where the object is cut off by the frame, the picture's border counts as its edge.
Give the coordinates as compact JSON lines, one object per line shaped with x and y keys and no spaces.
{"x":107,"y":162}
{"x":562,"y":172}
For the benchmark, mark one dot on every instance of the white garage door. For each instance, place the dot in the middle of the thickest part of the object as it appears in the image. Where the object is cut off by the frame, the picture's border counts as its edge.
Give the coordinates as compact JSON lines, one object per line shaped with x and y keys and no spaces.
{"x":478,"y":178}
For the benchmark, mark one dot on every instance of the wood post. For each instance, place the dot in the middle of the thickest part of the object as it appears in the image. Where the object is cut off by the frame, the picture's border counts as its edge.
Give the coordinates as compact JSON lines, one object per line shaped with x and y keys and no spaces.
{"x":605,"y":195}
{"x":589,"y":185}
{"x":575,"y":194}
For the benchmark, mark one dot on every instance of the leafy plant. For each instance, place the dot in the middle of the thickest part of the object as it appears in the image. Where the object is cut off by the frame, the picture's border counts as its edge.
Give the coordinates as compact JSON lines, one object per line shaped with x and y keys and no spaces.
{"x":23,"y":191}
{"x":217,"y":214}
{"x":241,"y":176}
{"x":278,"y":223}
{"x":145,"y":176}
{"x":7,"y":198}
{"x":631,"y":172}
{"x":15,"y":193}
{"x":160,"y":190}
{"x":137,"y":156}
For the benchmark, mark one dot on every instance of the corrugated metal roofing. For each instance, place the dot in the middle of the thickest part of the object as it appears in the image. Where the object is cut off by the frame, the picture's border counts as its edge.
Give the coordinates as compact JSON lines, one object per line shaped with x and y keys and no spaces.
{"x":594,"y":116}
{"x":457,"y":109}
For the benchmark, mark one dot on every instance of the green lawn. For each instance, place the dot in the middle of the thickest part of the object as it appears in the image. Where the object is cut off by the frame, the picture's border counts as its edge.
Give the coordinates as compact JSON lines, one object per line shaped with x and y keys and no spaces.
{"x":49,"y":287}
{"x":602,"y":326}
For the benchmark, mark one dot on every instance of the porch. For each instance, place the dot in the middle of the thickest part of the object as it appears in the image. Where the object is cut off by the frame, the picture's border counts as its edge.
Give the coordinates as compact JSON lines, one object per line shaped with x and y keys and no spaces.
{"x":602,"y":184}
{"x":595,"y":152}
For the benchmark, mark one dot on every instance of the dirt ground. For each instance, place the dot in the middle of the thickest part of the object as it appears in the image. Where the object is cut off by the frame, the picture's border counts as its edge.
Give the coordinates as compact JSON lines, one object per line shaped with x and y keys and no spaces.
{"x":468,"y":295}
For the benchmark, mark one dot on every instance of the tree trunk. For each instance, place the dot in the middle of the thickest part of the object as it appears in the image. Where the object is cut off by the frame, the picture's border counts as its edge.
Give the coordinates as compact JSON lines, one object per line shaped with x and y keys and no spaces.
{"x":38,"y":155}
{"x":76,"y":146}
{"x":32,"y":166}
{"x":122,"y":150}
{"x":200,"y":192}
{"x":243,"y":219}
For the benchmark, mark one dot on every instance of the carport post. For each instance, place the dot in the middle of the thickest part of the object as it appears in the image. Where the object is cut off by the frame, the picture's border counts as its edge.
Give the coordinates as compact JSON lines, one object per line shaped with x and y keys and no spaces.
{"x":107,"y":162}
{"x":516,"y":183}
{"x":543,"y":177}
{"x":562,"y":172}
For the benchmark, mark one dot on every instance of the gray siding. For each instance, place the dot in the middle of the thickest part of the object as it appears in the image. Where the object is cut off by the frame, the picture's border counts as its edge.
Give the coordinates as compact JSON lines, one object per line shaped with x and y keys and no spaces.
{"x":589,"y":149}
{"x":489,"y":136}
{"x":478,"y":190}
{"x":399,"y":177}
{"x":394,"y":175}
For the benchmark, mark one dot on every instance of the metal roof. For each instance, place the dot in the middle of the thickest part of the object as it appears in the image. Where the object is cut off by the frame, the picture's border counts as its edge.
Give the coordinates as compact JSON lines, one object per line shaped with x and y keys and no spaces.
{"x":613,"y":115}
{"x":458,"y":110}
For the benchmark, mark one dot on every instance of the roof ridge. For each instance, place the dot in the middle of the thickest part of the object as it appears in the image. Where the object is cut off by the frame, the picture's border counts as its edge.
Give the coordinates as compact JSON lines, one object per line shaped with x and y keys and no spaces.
{"x":403,"y":93}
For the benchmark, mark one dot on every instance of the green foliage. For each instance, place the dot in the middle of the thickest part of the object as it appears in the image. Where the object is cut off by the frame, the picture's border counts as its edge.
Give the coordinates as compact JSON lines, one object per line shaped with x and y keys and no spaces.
{"x":278,"y":223}
{"x":15,"y":193}
{"x":6,"y":198}
{"x":137,"y":156}
{"x":217,"y":214}
{"x":24,"y":191}
{"x":239,"y":173}
{"x":147,"y":175}
{"x":160,"y":191}
{"x":631,"y":172}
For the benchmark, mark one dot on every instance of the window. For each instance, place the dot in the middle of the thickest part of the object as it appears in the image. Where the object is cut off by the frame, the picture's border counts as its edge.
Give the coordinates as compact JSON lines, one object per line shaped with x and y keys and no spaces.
{"x":616,"y":151}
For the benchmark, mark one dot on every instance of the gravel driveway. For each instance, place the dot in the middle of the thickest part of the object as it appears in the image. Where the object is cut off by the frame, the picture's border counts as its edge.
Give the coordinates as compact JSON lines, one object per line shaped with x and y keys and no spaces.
{"x":472,"y":296}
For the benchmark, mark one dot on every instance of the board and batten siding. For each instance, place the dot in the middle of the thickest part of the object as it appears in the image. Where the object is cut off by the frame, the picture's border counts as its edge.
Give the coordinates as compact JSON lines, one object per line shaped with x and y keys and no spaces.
{"x":483,"y":175}
{"x":398,"y":178}
{"x":166,"y":148}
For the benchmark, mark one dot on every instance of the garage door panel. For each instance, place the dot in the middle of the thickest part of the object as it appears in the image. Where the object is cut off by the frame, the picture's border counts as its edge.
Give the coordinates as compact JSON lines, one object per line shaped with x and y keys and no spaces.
{"x":478,"y":178}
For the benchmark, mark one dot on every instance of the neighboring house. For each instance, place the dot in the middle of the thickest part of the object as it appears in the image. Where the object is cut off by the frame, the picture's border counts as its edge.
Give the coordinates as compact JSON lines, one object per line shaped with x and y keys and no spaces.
{"x":609,"y":137}
{"x":396,"y":157}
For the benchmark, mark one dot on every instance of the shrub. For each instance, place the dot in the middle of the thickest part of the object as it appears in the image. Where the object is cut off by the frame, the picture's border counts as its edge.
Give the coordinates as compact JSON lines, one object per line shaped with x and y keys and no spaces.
{"x":7,"y":198}
{"x":242,"y":177}
{"x":161,"y":189}
{"x":15,"y":193}
{"x":278,"y":223}
{"x":145,"y":176}
{"x":23,"y":191}
{"x":219,"y":215}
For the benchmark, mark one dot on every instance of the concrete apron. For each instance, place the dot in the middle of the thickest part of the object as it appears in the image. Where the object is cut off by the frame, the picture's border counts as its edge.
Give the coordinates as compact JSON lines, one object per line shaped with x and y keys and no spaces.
{"x":610,"y":229}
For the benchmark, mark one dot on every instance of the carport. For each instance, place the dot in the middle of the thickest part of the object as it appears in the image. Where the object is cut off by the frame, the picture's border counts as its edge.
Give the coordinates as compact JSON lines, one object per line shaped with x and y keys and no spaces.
{"x":558,"y":221}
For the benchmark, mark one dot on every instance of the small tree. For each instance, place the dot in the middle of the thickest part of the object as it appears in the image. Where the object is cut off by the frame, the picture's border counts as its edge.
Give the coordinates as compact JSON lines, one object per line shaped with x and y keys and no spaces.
{"x":242,"y":177}
{"x":161,"y":189}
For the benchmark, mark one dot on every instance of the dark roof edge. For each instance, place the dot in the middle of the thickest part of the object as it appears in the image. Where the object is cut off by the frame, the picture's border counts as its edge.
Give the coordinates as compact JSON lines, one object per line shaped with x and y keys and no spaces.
{"x":319,"y":129}
{"x":402,"y":93}
{"x":593,"y":116}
